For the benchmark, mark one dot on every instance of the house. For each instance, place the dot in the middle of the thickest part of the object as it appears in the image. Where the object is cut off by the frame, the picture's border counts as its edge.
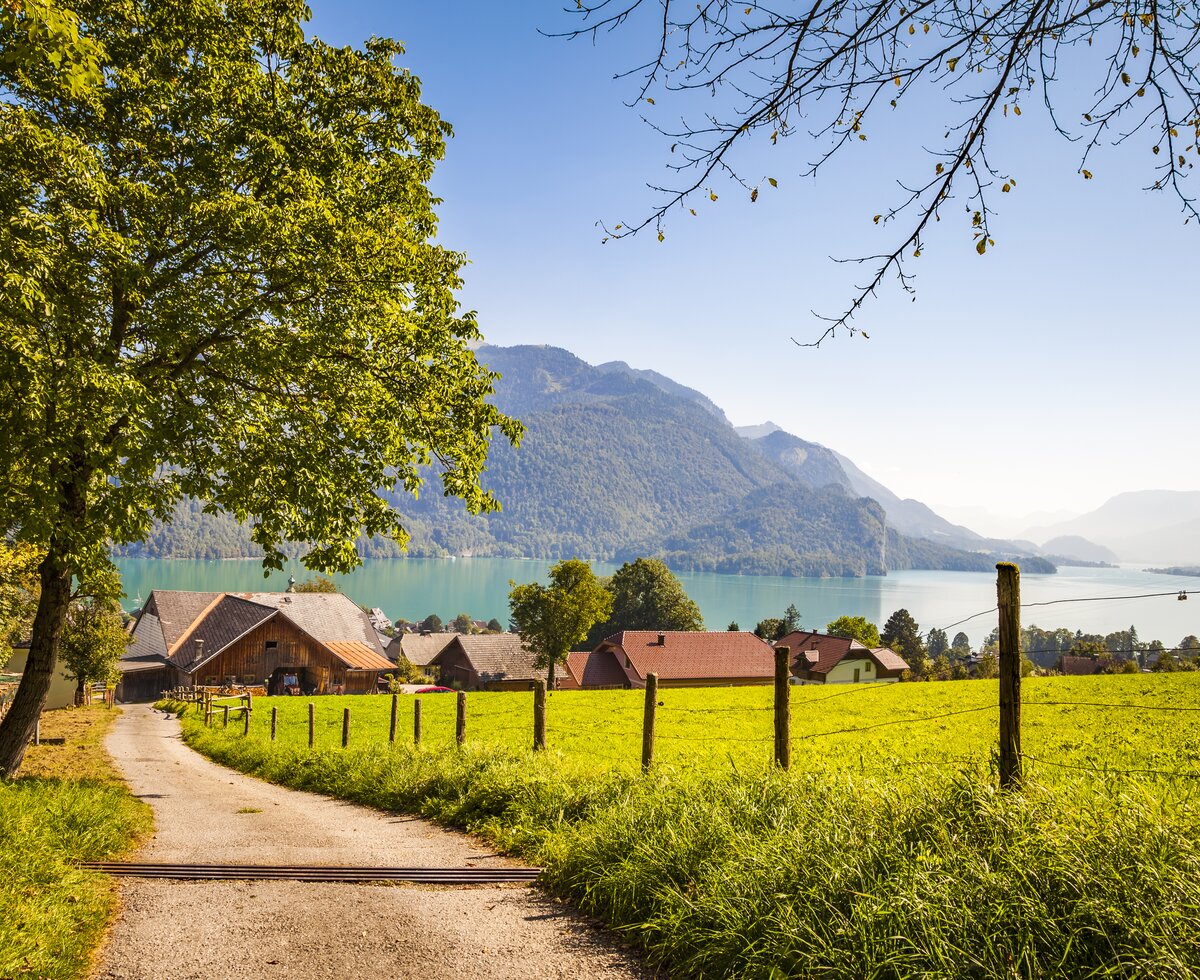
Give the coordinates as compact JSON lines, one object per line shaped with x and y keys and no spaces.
{"x":315,"y":642}
{"x":680,"y":659}
{"x":594,"y":670}
{"x":62,"y":684}
{"x":818,"y":658}
{"x":486,"y":662}
{"x":1079,"y":666}
{"x":418,"y":648}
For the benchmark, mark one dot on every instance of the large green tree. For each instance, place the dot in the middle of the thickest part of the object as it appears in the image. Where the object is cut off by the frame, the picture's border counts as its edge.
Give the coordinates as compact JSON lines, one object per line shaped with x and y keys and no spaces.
{"x":855,"y":628}
{"x":552,"y":619}
{"x":647,"y":596}
{"x":92,"y":642}
{"x":902,"y":634}
{"x":221,"y":281}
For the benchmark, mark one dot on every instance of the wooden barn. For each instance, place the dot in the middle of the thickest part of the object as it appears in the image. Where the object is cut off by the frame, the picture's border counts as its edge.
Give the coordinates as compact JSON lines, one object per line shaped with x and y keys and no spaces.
{"x":486,"y":662}
{"x":304,"y":643}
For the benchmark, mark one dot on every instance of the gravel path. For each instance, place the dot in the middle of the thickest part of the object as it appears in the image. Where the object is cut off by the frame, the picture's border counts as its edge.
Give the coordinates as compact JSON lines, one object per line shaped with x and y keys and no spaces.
{"x":275,"y":929}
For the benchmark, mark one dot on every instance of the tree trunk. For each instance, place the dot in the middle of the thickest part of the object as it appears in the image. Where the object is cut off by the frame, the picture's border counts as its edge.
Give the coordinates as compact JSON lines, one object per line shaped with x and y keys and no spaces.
{"x":16,"y":729}
{"x":550,"y":676}
{"x":79,"y":694}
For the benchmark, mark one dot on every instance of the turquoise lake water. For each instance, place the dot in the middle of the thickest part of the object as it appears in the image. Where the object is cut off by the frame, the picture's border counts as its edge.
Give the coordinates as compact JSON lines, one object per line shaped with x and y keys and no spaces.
{"x":414,"y":587}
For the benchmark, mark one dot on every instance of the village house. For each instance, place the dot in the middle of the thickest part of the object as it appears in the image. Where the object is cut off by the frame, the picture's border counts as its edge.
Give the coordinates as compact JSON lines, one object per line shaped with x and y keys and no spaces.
{"x":418,"y":649}
{"x":310,"y":642}
{"x":1071,"y":666}
{"x":680,"y":659}
{"x":486,"y":662}
{"x":818,"y":658}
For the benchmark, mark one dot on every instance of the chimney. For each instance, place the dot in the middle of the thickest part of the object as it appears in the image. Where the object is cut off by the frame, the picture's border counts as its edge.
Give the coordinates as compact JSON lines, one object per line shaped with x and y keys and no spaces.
{"x":199,"y":655}
{"x":662,"y":639}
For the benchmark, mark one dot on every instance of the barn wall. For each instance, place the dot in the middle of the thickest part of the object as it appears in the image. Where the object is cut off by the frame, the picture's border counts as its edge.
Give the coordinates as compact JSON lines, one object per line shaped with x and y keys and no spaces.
{"x":251,"y":661}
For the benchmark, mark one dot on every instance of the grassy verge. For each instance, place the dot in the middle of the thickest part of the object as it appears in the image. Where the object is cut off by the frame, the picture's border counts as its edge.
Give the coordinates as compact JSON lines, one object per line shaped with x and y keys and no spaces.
{"x":720,"y":872}
{"x":69,"y":805}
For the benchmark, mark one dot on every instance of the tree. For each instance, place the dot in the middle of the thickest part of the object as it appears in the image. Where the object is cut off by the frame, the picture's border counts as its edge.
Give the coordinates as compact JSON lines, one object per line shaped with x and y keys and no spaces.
{"x":902,"y":634}
{"x":431,"y":623}
{"x":553,"y":619}
{"x":494,"y":626}
{"x":791,"y":619}
{"x":937,"y":643}
{"x":646,"y":595}
{"x":1190,"y":643}
{"x":18,"y":594}
{"x":463,"y":623}
{"x":316,"y":583}
{"x":855,"y":628}
{"x":92,"y":642}
{"x":733,"y":627}
{"x":830,"y":70}
{"x":989,"y":666}
{"x":770,"y":630}
{"x":222,"y":283}
{"x":961,"y":642}
{"x":41,"y":37}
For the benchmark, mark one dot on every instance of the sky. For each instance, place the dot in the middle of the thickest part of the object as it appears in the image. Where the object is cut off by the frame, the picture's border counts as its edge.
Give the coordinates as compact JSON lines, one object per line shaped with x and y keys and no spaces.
{"x":1025,"y":385}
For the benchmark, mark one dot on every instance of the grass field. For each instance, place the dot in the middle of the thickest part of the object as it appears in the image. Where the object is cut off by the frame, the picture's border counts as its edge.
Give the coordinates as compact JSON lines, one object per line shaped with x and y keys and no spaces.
{"x":68,"y":805}
{"x":885,"y":852}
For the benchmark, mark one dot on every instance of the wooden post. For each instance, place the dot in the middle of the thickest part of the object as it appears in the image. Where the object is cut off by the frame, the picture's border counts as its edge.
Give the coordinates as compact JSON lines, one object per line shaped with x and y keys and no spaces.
{"x":460,"y":722}
{"x":395,"y":711}
{"x":539,"y":715}
{"x":345,"y":727}
{"x":648,"y":721}
{"x":274,"y":721}
{"x":246,"y":718}
{"x":312,"y":723}
{"x":225,"y":716}
{"x":416,"y":721}
{"x":783,"y":707}
{"x":1008,"y":600}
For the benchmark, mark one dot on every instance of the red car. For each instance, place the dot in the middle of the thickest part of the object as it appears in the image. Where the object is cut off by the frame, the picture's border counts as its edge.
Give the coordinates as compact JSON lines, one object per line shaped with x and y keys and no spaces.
{"x":434,"y":690}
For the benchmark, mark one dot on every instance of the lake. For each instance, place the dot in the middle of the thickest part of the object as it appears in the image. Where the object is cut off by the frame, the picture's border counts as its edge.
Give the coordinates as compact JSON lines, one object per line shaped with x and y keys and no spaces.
{"x":414,"y":587}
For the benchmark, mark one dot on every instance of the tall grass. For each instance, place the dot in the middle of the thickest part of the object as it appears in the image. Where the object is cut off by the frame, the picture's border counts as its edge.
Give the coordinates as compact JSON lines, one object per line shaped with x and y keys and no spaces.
{"x":724,"y":873}
{"x":52,"y":915}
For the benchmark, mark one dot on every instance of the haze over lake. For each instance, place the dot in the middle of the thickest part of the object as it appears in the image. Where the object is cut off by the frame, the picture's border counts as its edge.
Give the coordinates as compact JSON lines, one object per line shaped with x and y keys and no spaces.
{"x":413,"y":587}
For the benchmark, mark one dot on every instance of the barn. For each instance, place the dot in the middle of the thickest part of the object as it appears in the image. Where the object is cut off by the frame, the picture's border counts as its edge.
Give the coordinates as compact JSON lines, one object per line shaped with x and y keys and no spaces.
{"x":304,"y":642}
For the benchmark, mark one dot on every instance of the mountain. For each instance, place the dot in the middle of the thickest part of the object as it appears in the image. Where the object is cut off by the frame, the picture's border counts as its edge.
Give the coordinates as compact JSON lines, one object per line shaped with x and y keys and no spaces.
{"x":1160,"y":527}
{"x":1081,"y":549}
{"x":619,"y":462}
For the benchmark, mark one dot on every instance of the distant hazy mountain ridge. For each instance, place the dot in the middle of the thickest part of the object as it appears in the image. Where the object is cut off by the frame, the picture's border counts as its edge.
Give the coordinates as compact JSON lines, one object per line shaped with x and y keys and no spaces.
{"x":619,"y":462}
{"x":1160,"y":527}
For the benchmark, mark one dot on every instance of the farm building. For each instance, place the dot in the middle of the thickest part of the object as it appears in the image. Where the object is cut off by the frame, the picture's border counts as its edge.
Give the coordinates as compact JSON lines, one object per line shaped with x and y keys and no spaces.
{"x":418,"y":648}
{"x":62,"y":684}
{"x":680,"y":659}
{"x":818,"y":658}
{"x":1079,"y":666}
{"x":313,"y":642}
{"x":486,"y":662}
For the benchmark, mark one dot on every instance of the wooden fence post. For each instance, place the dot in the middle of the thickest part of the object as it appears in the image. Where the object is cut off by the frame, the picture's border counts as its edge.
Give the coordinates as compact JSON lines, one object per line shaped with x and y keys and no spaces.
{"x":539,"y":715}
{"x":648,"y":721}
{"x":224,"y":716}
{"x":274,"y":721}
{"x":416,"y":721}
{"x":312,"y":724}
{"x":246,"y":718}
{"x":783,"y":707}
{"x":395,"y":711}
{"x":345,"y":727}
{"x":1008,"y":600}
{"x":460,"y":721}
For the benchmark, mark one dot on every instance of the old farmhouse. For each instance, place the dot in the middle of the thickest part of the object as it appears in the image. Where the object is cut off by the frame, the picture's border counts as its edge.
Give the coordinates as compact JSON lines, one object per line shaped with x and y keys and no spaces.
{"x":700,"y":659}
{"x":309,"y":642}
{"x":486,"y":662}
{"x":818,"y":658}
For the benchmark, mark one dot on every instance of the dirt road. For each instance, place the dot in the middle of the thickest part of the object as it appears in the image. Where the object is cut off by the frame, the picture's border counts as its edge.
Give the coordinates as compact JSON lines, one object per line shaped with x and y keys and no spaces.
{"x":274,"y":929}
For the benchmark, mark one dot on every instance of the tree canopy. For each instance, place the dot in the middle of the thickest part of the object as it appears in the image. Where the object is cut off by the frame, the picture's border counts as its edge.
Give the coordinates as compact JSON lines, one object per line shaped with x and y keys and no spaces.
{"x":855,"y":628}
{"x":902,"y":634}
{"x":732,"y":75}
{"x":555,"y":618}
{"x":93,"y":641}
{"x":647,"y":596}
{"x":222,"y":282}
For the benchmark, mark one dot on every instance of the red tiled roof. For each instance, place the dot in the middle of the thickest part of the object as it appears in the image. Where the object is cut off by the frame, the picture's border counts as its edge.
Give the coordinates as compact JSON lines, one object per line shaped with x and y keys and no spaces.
{"x":832,"y":650}
{"x":592,"y":669}
{"x":707,"y":655}
{"x":1078,"y":666}
{"x":358,"y":656}
{"x":889,"y":659}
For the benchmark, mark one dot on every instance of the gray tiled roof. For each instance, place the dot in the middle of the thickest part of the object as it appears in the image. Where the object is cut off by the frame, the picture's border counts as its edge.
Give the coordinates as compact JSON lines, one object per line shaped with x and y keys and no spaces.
{"x":325,"y":616}
{"x":497,"y":656}
{"x":177,"y":611}
{"x":231,"y":618}
{"x":419,"y":649}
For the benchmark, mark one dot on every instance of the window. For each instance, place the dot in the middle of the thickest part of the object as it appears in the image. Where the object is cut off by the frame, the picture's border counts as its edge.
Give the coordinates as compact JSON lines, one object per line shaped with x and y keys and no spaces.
{"x":272,"y":645}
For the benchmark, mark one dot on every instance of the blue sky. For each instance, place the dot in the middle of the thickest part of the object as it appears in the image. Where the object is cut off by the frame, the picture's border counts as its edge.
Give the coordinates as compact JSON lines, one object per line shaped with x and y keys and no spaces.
{"x":1044,"y":377}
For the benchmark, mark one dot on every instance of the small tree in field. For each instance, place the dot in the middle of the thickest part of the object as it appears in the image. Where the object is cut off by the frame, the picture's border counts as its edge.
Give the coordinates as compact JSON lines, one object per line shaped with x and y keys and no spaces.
{"x":92,"y":642}
{"x":552,"y":619}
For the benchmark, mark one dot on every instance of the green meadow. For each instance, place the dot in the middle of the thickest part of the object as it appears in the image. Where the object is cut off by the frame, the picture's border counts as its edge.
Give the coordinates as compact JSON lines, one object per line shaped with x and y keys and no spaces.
{"x":886,"y":851}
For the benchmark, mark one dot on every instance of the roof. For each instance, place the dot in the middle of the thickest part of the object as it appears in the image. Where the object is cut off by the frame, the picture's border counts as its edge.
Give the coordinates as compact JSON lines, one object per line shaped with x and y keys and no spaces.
{"x":1078,"y":666}
{"x":172,"y":622}
{"x":694,"y":654}
{"x":358,"y":656}
{"x":420,"y":648}
{"x":832,"y":650}
{"x":594,"y":668}
{"x":494,"y":656}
